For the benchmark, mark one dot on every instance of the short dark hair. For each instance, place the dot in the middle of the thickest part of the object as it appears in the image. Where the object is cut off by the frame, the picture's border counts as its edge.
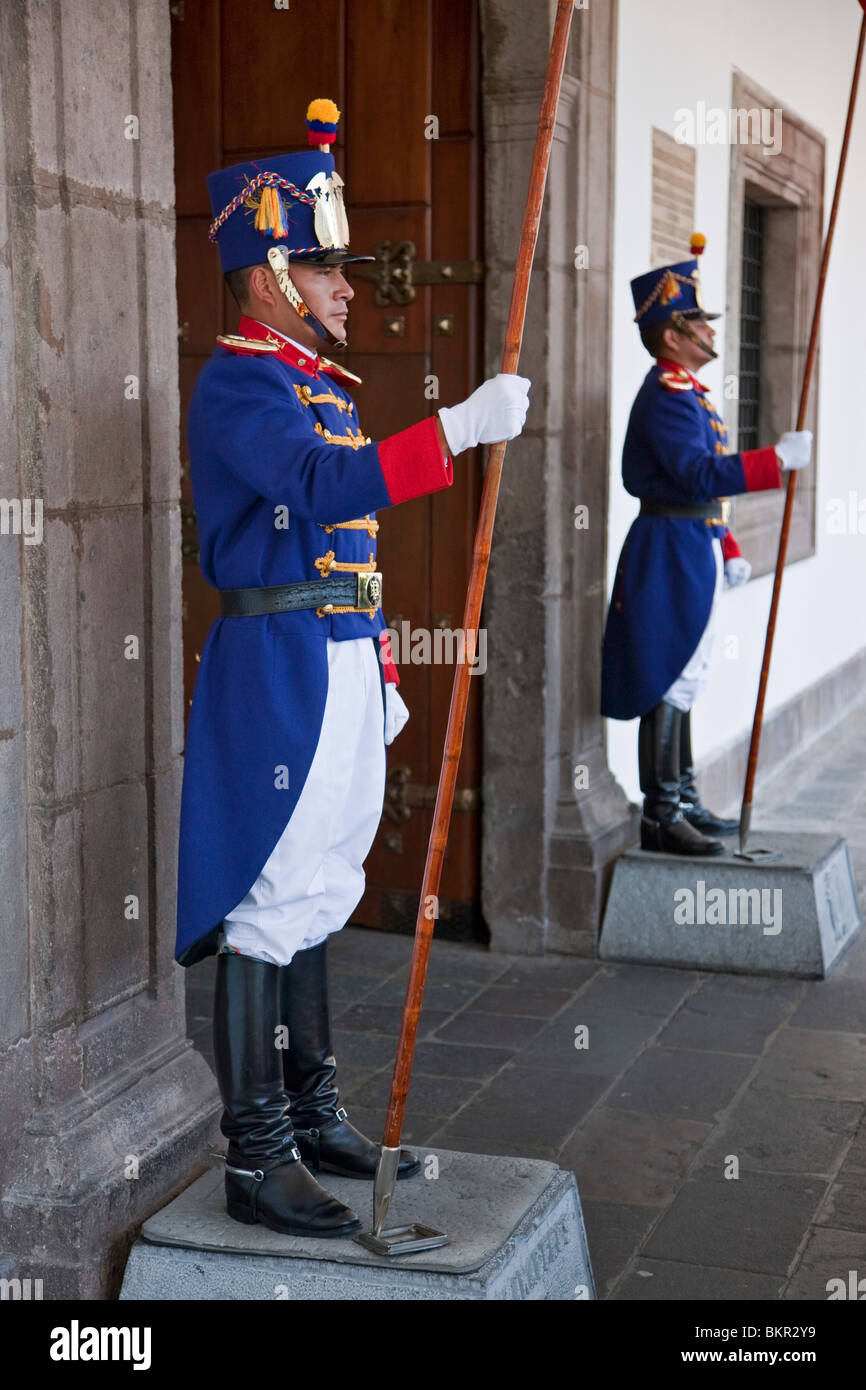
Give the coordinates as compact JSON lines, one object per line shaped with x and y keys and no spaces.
{"x":238,"y":282}
{"x":652,"y":335}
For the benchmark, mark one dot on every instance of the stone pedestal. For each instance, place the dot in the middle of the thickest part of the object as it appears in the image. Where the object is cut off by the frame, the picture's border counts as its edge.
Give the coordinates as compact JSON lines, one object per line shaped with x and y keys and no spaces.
{"x":793,"y":916}
{"x":515,"y":1227}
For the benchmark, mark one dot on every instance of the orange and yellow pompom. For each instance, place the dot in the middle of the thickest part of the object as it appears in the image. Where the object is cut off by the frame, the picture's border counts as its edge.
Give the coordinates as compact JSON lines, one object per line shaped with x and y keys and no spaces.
{"x":322,"y":118}
{"x":697,"y":243}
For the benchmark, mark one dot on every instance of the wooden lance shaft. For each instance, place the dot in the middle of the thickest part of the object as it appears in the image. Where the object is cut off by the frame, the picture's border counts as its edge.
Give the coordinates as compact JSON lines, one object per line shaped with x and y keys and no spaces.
{"x":757,"y":725}
{"x":475,"y":593}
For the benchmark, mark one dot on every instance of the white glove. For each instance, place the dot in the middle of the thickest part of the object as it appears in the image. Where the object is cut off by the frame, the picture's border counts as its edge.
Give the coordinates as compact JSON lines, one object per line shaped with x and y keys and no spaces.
{"x":737,"y":571}
{"x":495,"y":411}
{"x":396,"y":712}
{"x":794,"y":450}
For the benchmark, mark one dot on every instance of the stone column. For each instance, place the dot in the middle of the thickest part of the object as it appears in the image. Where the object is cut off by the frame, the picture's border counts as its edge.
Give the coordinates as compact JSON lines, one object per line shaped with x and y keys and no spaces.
{"x":104,"y":1105}
{"x":554,"y":817}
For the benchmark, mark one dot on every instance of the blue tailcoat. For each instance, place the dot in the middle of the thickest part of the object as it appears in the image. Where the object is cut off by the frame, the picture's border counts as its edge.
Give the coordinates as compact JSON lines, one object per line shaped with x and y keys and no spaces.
{"x":674,"y":452}
{"x":262,"y":683}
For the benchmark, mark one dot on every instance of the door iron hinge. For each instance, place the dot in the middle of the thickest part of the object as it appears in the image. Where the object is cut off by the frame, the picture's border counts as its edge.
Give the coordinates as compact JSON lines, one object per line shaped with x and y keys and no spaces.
{"x":189,"y":548}
{"x":396,"y":273}
{"x":402,"y":796}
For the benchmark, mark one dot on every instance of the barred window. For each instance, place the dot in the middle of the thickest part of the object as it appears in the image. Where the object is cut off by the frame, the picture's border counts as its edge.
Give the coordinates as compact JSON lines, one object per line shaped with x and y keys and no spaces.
{"x":751,"y":315}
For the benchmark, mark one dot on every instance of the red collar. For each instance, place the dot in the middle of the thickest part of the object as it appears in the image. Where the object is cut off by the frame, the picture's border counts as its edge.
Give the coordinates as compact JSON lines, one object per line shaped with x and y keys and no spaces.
{"x":307,"y":362}
{"x":666,"y":363}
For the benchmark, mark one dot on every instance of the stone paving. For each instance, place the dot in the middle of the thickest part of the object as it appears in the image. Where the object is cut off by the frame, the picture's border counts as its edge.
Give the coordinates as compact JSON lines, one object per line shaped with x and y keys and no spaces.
{"x":683,"y":1070}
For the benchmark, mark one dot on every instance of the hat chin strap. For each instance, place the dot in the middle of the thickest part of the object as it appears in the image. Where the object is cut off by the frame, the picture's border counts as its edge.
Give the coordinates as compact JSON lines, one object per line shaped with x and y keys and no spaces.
{"x":681,"y":324}
{"x":279,"y":263}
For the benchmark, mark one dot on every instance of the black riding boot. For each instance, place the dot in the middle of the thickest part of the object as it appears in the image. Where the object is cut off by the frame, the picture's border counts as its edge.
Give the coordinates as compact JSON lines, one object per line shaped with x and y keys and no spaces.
{"x":328,"y":1143}
{"x":663,"y":826}
{"x":266,"y":1180}
{"x":690,"y":802}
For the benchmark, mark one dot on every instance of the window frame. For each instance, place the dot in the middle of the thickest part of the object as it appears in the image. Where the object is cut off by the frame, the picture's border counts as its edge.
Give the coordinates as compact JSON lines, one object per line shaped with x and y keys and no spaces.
{"x":790,"y":185}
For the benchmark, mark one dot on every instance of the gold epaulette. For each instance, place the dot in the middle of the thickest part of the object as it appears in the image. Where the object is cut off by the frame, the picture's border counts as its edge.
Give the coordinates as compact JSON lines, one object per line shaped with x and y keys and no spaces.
{"x":676,"y":381}
{"x":332,"y":368}
{"x":236,"y":343}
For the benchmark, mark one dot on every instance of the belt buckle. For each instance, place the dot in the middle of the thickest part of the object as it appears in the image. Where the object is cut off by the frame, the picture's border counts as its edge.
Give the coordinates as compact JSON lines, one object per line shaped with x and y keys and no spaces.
{"x":369,"y":590}
{"x":725,"y":510}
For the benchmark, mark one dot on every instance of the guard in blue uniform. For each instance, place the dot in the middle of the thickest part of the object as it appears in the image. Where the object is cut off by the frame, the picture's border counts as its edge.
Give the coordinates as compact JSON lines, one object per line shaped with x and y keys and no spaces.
{"x":296,"y":695}
{"x":678,"y":553}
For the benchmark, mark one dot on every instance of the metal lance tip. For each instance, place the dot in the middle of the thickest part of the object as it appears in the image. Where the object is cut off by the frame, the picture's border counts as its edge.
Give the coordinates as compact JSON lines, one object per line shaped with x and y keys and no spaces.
{"x":383,"y":1187}
{"x":745,"y":823}
{"x":398,"y":1240}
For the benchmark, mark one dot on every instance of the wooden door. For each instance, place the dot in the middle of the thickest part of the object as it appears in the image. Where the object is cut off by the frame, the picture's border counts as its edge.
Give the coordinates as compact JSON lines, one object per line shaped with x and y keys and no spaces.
{"x":406,"y":79}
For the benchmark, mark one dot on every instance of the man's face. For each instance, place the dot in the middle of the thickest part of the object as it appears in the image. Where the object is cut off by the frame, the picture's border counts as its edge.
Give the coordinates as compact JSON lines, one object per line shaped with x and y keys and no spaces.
{"x":704,"y":331}
{"x":326,"y":292}
{"x":689,"y":353}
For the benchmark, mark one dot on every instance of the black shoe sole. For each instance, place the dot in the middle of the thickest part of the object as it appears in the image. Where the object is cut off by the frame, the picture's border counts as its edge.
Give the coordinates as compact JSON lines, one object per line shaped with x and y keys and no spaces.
{"x":241,"y":1213}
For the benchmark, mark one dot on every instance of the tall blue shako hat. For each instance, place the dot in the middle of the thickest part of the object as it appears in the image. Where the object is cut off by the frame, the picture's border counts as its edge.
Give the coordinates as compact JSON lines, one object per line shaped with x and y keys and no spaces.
{"x":671,"y":293}
{"x":284,"y":208}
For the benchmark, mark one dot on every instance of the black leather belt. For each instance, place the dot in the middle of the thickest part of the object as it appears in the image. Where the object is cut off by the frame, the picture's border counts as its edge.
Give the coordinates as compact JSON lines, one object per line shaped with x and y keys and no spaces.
{"x":713,"y":513}
{"x":354,"y":593}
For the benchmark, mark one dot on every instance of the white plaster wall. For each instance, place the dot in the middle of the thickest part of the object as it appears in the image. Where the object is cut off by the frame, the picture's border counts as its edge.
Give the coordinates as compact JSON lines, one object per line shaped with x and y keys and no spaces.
{"x":674,"y":54}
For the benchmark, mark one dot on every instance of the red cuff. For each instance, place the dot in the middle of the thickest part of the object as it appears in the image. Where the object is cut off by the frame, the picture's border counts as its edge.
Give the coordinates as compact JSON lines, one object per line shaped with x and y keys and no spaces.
{"x":412,"y":462}
{"x":761,"y":467}
{"x":391,"y":675}
{"x":730,"y":549}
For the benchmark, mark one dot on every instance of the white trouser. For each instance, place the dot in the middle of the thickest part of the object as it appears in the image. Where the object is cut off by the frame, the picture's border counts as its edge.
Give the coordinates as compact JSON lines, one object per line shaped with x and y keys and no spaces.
{"x":314,"y":879}
{"x":692,"y":680}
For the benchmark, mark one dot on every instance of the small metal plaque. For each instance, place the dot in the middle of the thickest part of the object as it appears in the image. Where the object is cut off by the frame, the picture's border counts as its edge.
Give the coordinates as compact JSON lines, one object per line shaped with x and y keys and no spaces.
{"x":402,"y":1240}
{"x":758,"y":856}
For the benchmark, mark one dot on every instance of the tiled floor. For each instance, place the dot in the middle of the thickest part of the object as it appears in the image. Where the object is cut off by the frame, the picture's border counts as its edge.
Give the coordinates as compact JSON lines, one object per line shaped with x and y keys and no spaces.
{"x":685,"y":1073}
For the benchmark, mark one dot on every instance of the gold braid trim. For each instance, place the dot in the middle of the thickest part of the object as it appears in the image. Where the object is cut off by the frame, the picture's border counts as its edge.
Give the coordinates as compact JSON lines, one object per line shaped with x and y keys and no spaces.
{"x":306,"y":397}
{"x":355,"y":441}
{"x":362,"y":524}
{"x":717,"y":424}
{"x":661,"y":285}
{"x":327,"y":564}
{"x":330,"y":609}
